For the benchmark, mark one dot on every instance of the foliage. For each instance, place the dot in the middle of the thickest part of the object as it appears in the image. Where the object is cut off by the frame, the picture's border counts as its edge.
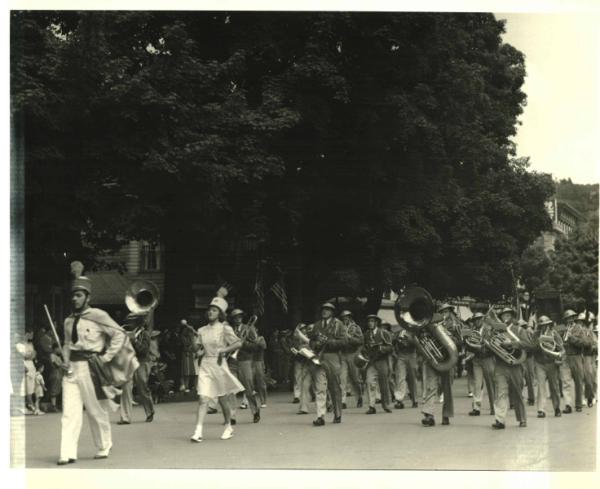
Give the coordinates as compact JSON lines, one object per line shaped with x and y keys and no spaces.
{"x":357,"y":151}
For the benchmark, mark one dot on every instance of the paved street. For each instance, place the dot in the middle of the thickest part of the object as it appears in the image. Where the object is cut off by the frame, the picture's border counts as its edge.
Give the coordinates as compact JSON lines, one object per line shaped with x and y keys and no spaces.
{"x":286,"y":440}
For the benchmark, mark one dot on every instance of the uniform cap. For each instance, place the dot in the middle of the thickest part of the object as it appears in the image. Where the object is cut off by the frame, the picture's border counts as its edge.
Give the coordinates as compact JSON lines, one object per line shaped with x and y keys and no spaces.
{"x":220,"y":303}
{"x":477,"y":315}
{"x":544,"y":320}
{"x":445,"y":307}
{"x":581,"y":317}
{"x":507,"y":309}
{"x":236,"y":312}
{"x":569,"y":313}
{"x":374,"y":316}
{"x":328,"y":305}
{"x":345,"y":313}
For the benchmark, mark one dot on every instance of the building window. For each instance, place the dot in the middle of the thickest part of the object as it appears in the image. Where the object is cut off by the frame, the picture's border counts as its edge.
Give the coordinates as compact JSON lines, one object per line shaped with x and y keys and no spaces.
{"x":151,"y":260}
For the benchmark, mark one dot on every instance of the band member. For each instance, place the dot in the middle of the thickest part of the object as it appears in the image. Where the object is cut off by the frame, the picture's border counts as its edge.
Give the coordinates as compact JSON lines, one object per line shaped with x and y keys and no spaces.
{"x":405,"y":369}
{"x":571,"y":369}
{"x":378,"y":347}
{"x":215,"y":340}
{"x":349,"y":369}
{"x":249,"y":337}
{"x":509,"y":378}
{"x":434,"y":379}
{"x":483,"y":367}
{"x":92,"y":339}
{"x":590,"y":351}
{"x":529,"y":367}
{"x":258,"y":368}
{"x":546,"y":366}
{"x":328,"y":338}
{"x":302,"y":374}
{"x":140,"y":339}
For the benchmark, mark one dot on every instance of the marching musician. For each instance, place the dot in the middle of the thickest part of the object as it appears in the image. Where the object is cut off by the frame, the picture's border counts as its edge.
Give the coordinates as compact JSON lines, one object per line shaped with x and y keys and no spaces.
{"x":509,"y":378}
{"x":302,"y":374}
{"x":328,"y":338}
{"x":136,"y":326}
{"x":215,"y":341}
{"x":258,"y":369}
{"x":590,"y":351}
{"x":405,"y":368}
{"x":249,"y":337}
{"x":483,"y":367}
{"x":378,"y":346}
{"x":546,"y":366}
{"x":349,"y":369}
{"x":92,"y":339}
{"x":571,"y":370}
{"x":434,"y":379}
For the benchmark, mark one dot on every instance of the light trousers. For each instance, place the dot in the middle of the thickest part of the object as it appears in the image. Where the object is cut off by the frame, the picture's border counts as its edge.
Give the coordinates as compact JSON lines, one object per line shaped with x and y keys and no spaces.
{"x":260,"y":382}
{"x":589,"y":372}
{"x":529,"y":374}
{"x":326,"y":378}
{"x":378,"y":379}
{"x":483,"y":372}
{"x":350,"y":373}
{"x":433,"y":379}
{"x":406,"y":376}
{"x":571,"y":376}
{"x":508,"y":379}
{"x":543,"y":372}
{"x":302,"y":380}
{"x":140,"y":379}
{"x":77,"y":392}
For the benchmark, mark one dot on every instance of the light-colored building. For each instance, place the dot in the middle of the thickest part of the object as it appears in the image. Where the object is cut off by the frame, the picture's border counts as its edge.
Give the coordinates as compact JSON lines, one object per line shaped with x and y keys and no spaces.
{"x":565,"y":220}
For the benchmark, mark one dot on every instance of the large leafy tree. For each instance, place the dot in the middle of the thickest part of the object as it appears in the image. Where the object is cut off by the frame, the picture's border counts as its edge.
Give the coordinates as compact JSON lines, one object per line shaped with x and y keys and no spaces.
{"x":355,"y":151}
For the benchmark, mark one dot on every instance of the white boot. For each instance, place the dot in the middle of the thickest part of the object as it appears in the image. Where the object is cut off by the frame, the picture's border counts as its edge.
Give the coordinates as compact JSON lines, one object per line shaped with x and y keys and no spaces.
{"x":228,"y":433}
{"x":197,"y":436}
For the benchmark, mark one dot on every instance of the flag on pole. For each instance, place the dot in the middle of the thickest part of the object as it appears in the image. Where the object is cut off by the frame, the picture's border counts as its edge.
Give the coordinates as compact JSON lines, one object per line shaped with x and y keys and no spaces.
{"x":278,"y":289}
{"x":259,"y":296}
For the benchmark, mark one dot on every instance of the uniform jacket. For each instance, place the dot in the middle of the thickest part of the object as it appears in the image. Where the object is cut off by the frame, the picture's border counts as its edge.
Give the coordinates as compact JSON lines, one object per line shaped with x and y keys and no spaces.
{"x":539,"y":354}
{"x":355,"y":338}
{"x":249,"y":335}
{"x":576,"y":340}
{"x":336,"y":333}
{"x":378,"y":343}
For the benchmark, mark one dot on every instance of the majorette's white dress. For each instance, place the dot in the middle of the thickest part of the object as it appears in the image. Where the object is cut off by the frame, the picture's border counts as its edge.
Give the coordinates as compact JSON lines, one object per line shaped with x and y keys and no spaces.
{"x":216,"y":380}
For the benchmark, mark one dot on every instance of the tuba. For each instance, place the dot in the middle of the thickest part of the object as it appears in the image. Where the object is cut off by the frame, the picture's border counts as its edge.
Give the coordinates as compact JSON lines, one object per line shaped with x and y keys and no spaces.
{"x":508,"y":354}
{"x":142,"y":297}
{"x":415,"y":309}
{"x":548,"y":345}
{"x":474,"y":339}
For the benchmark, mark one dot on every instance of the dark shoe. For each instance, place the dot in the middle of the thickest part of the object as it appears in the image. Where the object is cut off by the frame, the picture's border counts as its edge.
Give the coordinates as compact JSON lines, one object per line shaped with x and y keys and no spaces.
{"x":121,"y":421}
{"x":567,"y":410}
{"x":211,"y":411}
{"x":530,"y":402}
{"x":344,"y":406}
{"x":296,"y":401}
{"x":590,"y":403}
{"x":557,"y":413}
{"x":428,"y":420}
{"x":523,"y":424}
{"x":475,"y":412}
{"x":445,"y":420}
{"x":256,"y":417}
{"x":399,"y":405}
{"x":233,"y":421}
{"x":498,"y":425}
{"x":150,"y":417}
{"x":578,"y":409}
{"x":492,"y":412}
{"x":387,"y":410}
{"x":337,"y":419}
{"x":65,"y":462}
{"x":319,"y":422}
{"x":541,"y":414}
{"x":511,"y":407}
{"x":329,"y":408}
{"x":302,"y":412}
{"x":371,"y":410}
{"x":377,"y":401}
{"x":359,"y":403}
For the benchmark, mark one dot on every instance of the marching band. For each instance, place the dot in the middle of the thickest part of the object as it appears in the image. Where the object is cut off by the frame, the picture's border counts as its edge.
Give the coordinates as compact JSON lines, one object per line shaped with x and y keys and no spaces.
{"x":333,"y":357}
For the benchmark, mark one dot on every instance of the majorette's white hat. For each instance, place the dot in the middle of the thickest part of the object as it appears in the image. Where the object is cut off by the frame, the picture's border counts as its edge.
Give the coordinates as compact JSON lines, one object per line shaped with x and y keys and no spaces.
{"x":220,"y":303}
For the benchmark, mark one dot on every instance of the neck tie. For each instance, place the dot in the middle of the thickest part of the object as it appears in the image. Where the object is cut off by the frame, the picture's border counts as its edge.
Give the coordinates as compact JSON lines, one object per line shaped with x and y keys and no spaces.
{"x":74,"y":335}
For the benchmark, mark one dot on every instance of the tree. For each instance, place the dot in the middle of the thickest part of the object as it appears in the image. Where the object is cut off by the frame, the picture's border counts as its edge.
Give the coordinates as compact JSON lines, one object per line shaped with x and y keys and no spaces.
{"x":354,"y":151}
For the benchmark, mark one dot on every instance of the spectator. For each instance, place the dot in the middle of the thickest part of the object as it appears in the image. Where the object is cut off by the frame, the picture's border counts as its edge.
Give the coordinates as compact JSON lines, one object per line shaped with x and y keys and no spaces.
{"x":27,"y":351}
{"x":49,"y":355}
{"x":189,"y":364}
{"x":170,"y":352}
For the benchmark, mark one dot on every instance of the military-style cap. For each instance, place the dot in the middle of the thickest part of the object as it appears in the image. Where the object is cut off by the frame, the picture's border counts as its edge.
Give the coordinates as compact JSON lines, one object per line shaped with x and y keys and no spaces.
{"x":581,"y":317}
{"x":445,"y":307}
{"x":477,"y":315}
{"x":328,"y":305}
{"x":544,"y":321}
{"x":569,"y":313}
{"x":220,"y":304}
{"x":236,"y":312}
{"x":345,"y":313}
{"x":374,"y":316}
{"x":82,"y":283}
{"x":507,"y":309}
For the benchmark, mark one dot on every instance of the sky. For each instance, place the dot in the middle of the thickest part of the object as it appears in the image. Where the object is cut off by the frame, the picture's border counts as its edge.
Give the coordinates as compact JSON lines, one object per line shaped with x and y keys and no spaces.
{"x":560,"y":128}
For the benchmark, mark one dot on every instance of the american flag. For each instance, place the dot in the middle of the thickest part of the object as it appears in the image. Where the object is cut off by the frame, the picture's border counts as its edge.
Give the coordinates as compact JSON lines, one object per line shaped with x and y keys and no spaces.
{"x":259,"y":294}
{"x":279,"y":290}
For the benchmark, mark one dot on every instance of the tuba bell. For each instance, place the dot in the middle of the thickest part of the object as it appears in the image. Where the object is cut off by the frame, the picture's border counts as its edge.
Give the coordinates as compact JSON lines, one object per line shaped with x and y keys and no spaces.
{"x":414,"y":308}
{"x":142,"y":297}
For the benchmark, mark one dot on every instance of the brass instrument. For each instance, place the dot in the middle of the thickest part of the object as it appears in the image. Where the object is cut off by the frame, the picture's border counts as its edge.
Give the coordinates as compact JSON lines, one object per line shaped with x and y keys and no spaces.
{"x":548,"y":345}
{"x":415,"y":309}
{"x":474,"y":339}
{"x":508,"y":354}
{"x":248,"y":334}
{"x":303,"y":348}
{"x":142,"y":296}
{"x":568,"y":333}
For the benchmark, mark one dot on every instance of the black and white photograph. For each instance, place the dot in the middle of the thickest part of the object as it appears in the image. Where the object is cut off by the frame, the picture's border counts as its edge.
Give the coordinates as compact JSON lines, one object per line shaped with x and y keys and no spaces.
{"x":303,"y":239}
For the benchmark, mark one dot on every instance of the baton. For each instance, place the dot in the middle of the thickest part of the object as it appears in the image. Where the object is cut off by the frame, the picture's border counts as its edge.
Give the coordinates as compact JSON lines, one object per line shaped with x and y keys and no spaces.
{"x":55,"y":334}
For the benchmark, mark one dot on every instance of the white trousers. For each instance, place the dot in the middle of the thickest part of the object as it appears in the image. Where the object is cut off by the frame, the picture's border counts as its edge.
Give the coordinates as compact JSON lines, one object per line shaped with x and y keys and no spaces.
{"x":77,"y":392}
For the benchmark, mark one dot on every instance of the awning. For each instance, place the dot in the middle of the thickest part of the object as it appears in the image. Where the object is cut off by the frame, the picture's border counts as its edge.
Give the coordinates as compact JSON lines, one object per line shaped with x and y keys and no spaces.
{"x":108,"y":287}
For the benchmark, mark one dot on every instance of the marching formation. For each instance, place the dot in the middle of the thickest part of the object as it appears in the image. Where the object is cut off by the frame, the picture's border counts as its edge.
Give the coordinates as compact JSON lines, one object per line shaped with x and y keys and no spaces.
{"x":333,"y":358}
